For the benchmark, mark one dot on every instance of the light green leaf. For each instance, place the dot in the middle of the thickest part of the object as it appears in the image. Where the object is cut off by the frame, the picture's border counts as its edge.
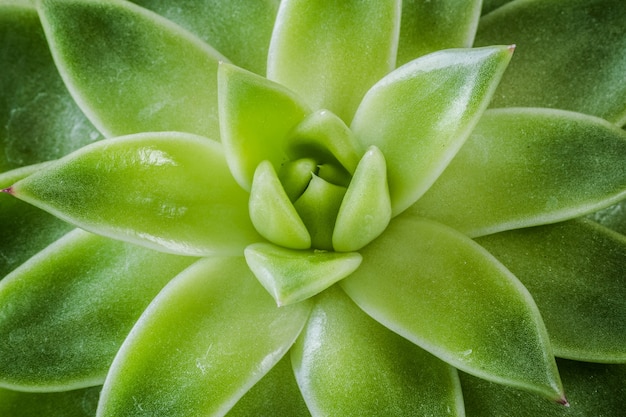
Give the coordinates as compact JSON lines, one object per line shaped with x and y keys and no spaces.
{"x":525,"y":167}
{"x":124,"y":66}
{"x":593,"y":390}
{"x":210,"y":335}
{"x":570,"y":55}
{"x":331,"y":52}
{"x":239,"y":29}
{"x":168,"y":191}
{"x":291,"y":276}
{"x":429,"y":26}
{"x":318,"y":207}
{"x":79,"y":403}
{"x":275,"y":395}
{"x":272,"y":213}
{"x":29,"y":230}
{"x":255,"y":117}
{"x":326,"y":137}
{"x":39,"y":119}
{"x":349,"y":365}
{"x":366,"y":209}
{"x":65,"y":312}
{"x":448,"y":295}
{"x":575,"y":272}
{"x":420,"y":115}
{"x":296,"y":175}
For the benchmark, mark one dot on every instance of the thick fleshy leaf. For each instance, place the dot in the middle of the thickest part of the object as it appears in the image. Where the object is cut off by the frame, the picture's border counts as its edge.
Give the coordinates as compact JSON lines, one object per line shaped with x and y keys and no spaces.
{"x":291,"y":276}
{"x":66,"y":311}
{"x":613,"y":217}
{"x":325,"y":137}
{"x":429,"y":26}
{"x":525,"y":167}
{"x":347,"y":364}
{"x":124,"y":66}
{"x":39,"y":119}
{"x":592,"y":389}
{"x":571,"y":55}
{"x":275,"y":395}
{"x":78,"y":403}
{"x":331,"y":52}
{"x":255,"y":117}
{"x":366,"y":209}
{"x":420,"y":114}
{"x":272,"y":213}
{"x":27,"y":229}
{"x":239,"y":29}
{"x":491,"y":5}
{"x":575,"y":272}
{"x":168,"y":191}
{"x":448,"y":295}
{"x":210,"y":335}
{"x":318,"y":207}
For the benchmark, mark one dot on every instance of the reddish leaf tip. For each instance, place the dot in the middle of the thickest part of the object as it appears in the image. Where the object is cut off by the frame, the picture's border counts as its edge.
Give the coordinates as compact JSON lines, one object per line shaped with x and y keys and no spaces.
{"x":8,"y":190}
{"x":512,"y":48}
{"x":563,"y":401}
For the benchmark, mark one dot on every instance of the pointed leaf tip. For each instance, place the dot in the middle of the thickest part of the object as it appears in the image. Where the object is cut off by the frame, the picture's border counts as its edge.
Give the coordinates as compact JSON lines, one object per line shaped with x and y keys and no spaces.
{"x":8,"y":190}
{"x":563,"y":401}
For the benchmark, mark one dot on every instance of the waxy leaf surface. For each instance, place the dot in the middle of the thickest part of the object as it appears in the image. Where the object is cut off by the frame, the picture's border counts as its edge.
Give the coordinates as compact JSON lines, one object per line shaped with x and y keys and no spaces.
{"x":291,"y":276}
{"x":255,"y":117}
{"x":132,"y":71}
{"x":445,"y":293}
{"x":39,"y":119}
{"x":575,"y":272}
{"x":592,"y":390}
{"x":429,"y":26}
{"x":331,"y":52}
{"x":78,"y":403}
{"x":525,"y":167}
{"x":219,"y":23}
{"x":65,"y":312}
{"x":168,"y":191}
{"x":210,"y":335}
{"x":347,"y":364}
{"x":420,"y":115}
{"x":570,"y":55}
{"x":30,"y":229}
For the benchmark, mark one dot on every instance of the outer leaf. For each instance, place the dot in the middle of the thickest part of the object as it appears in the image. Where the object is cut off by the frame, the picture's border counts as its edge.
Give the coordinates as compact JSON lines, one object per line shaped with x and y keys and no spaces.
{"x":448,"y":295}
{"x":420,"y":115}
{"x":205,"y":340}
{"x":272,"y":213}
{"x":592,"y":389}
{"x":30,"y":229}
{"x":429,"y":26}
{"x":575,"y":272}
{"x":524,"y":167}
{"x":349,"y":365}
{"x":291,"y":276}
{"x":240,"y":29}
{"x":570,"y":55}
{"x":491,"y":5}
{"x":169,"y":191}
{"x":122,"y":64}
{"x":331,"y":52}
{"x":79,"y":403}
{"x":39,"y":119}
{"x":255,"y":116}
{"x":365,"y":210}
{"x":66,"y":311}
{"x":276,"y":394}
{"x":613,"y":217}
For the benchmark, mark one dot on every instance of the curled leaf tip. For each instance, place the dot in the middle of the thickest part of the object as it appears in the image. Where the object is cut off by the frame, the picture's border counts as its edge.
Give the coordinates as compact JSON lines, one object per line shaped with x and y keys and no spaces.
{"x":8,"y":190}
{"x":563,"y":401}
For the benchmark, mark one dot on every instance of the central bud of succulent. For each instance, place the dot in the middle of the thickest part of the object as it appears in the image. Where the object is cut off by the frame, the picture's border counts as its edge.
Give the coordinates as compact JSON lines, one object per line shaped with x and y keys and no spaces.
{"x":329,"y":195}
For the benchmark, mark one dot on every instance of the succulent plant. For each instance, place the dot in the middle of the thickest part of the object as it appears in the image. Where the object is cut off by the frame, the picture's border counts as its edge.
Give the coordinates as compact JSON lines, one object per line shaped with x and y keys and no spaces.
{"x":313,"y":207}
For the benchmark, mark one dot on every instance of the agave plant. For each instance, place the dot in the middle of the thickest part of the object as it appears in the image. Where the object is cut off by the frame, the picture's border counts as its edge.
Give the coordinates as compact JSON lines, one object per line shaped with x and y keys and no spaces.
{"x":313,"y":207}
